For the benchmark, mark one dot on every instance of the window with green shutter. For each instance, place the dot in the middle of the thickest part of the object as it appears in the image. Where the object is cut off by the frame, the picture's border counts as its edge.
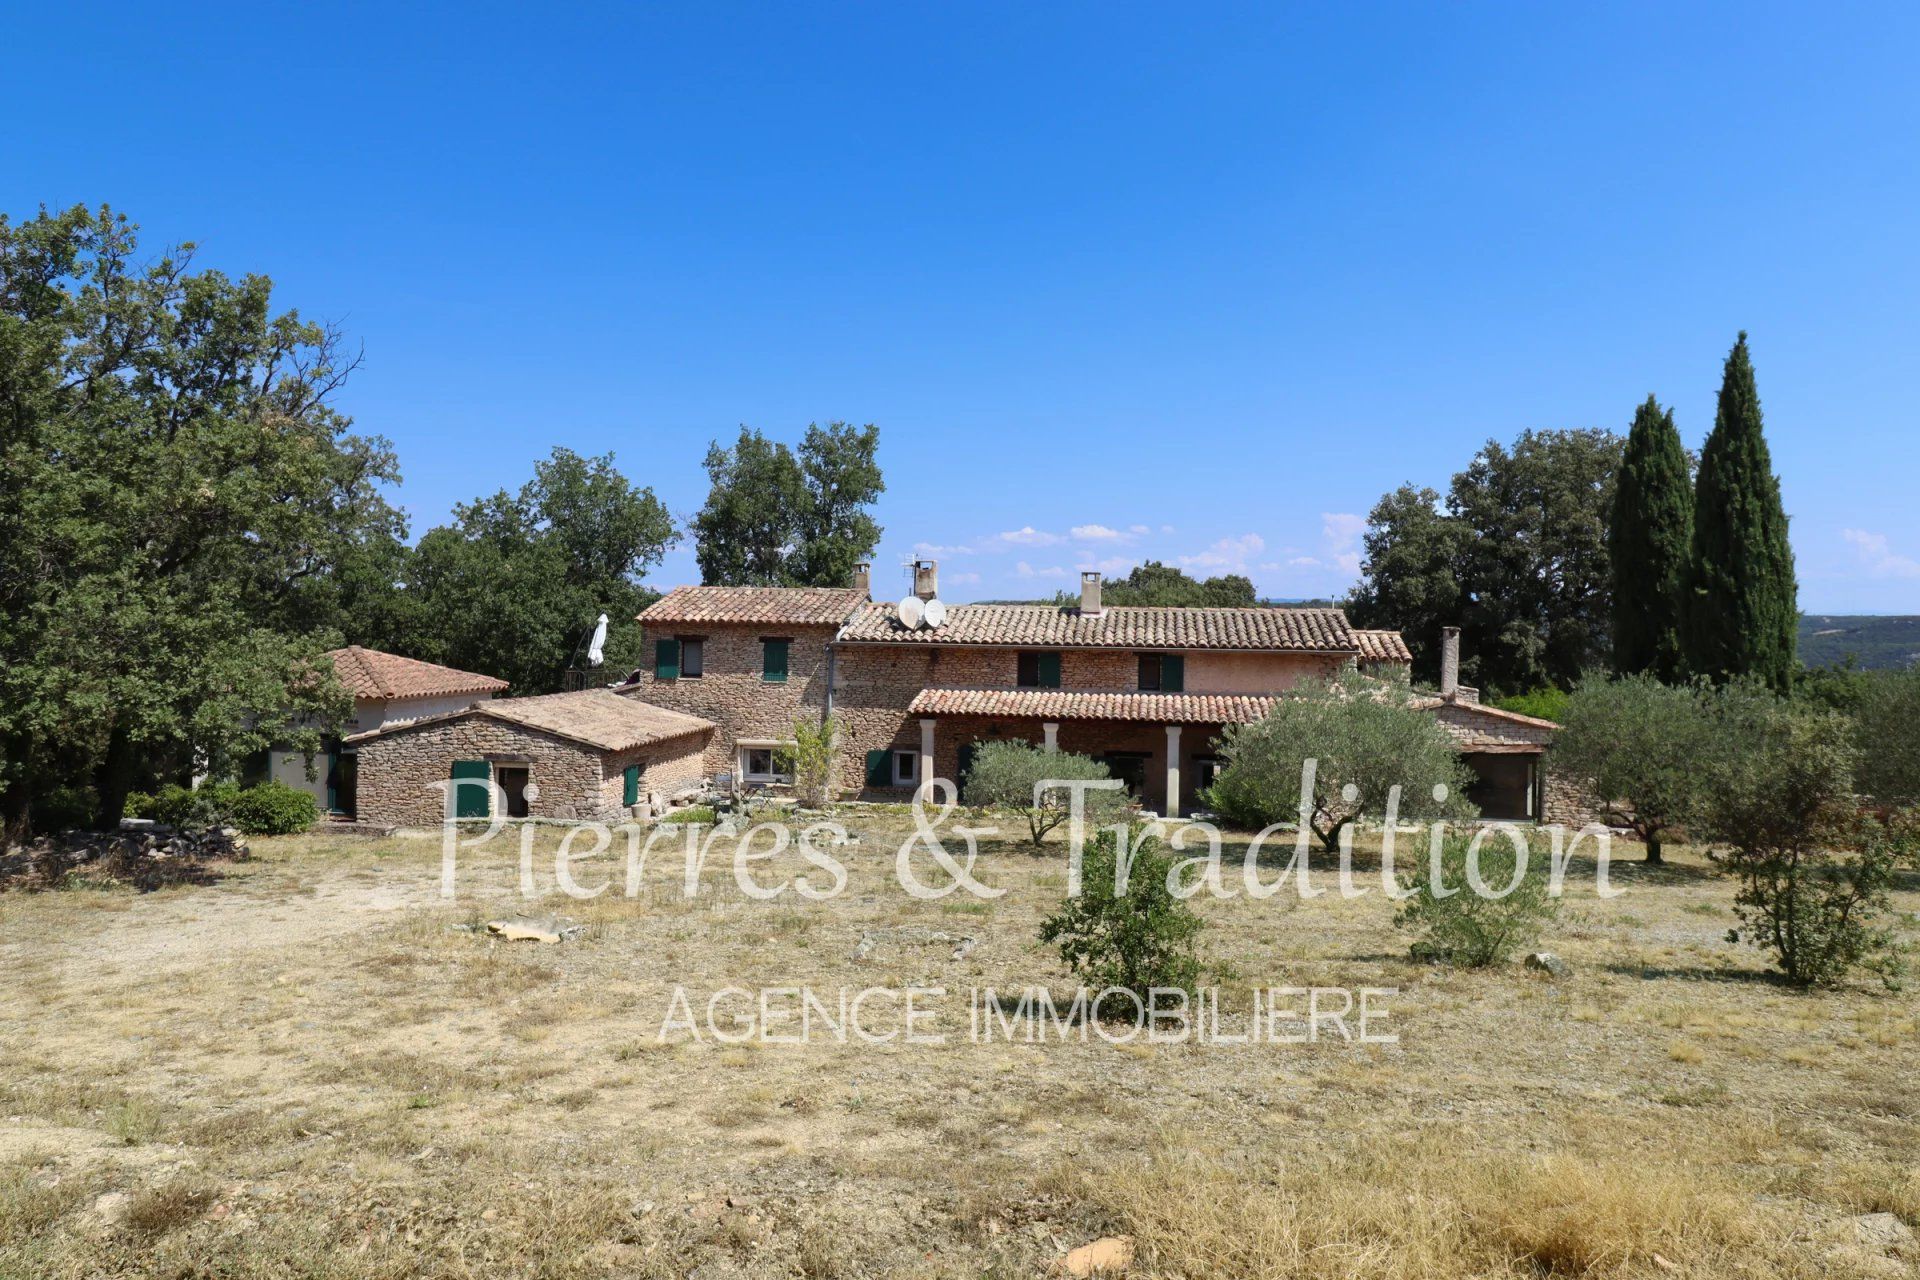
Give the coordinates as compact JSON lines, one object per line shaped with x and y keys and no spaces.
{"x":666,"y":659}
{"x":880,"y":768}
{"x":773,"y":660}
{"x":630,"y":788}
{"x":1038,"y":669}
{"x":1049,"y":671}
{"x":1173,"y":673}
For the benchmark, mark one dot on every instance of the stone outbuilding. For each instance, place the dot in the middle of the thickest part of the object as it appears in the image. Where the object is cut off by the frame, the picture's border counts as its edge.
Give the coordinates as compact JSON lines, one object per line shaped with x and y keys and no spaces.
{"x":590,"y":755}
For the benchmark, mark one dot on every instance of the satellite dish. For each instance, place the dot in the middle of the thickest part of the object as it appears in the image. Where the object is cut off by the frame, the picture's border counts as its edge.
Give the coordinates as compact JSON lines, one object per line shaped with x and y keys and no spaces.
{"x":935,"y":613}
{"x":594,"y":655}
{"x":911,"y":612}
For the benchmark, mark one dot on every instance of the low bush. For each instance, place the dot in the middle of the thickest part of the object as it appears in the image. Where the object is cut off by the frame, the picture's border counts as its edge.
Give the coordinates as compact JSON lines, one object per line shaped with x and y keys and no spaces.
{"x":1135,"y":937}
{"x":1479,"y":926}
{"x":1546,"y":703}
{"x":692,"y":813}
{"x":265,"y":809}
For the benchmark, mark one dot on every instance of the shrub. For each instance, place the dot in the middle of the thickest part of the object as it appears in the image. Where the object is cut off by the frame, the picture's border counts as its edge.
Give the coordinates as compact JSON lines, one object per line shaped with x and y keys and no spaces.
{"x":1366,"y":734}
{"x":65,"y":807}
{"x":273,"y":809}
{"x":700,"y":813}
{"x":1813,"y":872}
{"x":190,"y":809}
{"x":1005,"y":775}
{"x":1546,"y":703}
{"x":1135,"y":938}
{"x":1458,"y":922}
{"x":1637,"y":742}
{"x":1887,"y":716}
{"x":810,"y":758}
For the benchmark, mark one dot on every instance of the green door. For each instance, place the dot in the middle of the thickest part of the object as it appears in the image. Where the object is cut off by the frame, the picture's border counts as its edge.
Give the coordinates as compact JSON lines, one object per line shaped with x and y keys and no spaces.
{"x":470,"y":801}
{"x":630,"y":788}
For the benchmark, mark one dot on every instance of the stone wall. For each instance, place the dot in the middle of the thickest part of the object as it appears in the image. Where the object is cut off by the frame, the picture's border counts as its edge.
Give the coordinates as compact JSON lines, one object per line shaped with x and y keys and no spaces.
{"x":399,"y":770}
{"x":732,"y":693}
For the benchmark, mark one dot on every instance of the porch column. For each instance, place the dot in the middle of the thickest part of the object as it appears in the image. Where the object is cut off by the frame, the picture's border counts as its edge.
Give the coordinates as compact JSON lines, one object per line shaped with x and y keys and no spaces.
{"x":1051,"y":729}
{"x":926,"y":759}
{"x":1173,"y":771}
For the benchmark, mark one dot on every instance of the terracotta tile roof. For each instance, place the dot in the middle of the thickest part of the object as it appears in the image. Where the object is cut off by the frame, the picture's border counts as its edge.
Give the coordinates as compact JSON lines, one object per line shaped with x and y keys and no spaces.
{"x":369,"y":673}
{"x":1122,"y":627}
{"x":798,"y":606}
{"x":1079,"y":704}
{"x":597,"y":718}
{"x":1382,"y":646}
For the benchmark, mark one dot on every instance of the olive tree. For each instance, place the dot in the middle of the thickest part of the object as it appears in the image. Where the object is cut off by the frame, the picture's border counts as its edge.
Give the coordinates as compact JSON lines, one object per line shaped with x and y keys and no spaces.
{"x":1638,"y":744}
{"x":1029,"y":781}
{"x":1350,"y":745}
{"x":1888,"y":722}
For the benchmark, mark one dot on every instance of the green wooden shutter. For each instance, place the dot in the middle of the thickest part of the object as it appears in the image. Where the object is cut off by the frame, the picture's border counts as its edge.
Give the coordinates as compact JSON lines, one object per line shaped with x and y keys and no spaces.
{"x":666,"y":659}
{"x":630,"y":788}
{"x":471,"y":801}
{"x":1173,"y":673}
{"x":1049,"y":671}
{"x":880,"y":768}
{"x":774,"y":661}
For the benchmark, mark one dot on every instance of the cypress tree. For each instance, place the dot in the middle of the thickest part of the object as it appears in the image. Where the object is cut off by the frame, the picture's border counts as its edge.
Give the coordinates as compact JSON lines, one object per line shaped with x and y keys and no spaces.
{"x":1649,"y":544}
{"x":1743,"y":607}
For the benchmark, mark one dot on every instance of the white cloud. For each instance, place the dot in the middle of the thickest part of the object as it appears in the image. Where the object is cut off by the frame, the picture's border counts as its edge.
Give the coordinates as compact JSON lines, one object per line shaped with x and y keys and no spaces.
{"x":1028,"y":536}
{"x":1229,"y":554}
{"x":1137,"y":529}
{"x":1878,"y":557}
{"x":1096,"y":533}
{"x":1341,"y":531}
{"x":1025,"y":570}
{"x":963,"y":579}
{"x":935,"y":549}
{"x":1113,"y":565}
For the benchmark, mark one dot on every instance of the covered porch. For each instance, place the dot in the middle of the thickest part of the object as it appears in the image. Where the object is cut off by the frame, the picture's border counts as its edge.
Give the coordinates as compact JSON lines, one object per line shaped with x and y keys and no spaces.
{"x":1162,"y":746}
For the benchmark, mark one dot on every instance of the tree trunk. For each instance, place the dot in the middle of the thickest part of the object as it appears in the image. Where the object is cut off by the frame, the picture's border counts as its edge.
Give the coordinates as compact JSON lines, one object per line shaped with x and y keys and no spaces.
{"x":113,"y":780}
{"x":1653,"y":848}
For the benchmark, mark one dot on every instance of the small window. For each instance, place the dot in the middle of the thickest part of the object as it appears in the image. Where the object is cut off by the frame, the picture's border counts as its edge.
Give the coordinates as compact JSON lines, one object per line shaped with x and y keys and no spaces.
{"x":693,"y":657}
{"x":906,"y":768}
{"x":1150,"y":671}
{"x":761,"y":764}
{"x":1206,"y":770}
{"x":773,"y":660}
{"x":1039,"y":670}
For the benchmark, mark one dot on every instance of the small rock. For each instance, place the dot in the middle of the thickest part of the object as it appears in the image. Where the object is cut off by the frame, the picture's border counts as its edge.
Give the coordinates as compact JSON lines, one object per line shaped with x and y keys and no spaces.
{"x":112,"y":1208}
{"x":549,"y":931}
{"x":1107,"y":1256}
{"x":1883,"y":1231}
{"x":489,"y":1215}
{"x":1550,"y":963}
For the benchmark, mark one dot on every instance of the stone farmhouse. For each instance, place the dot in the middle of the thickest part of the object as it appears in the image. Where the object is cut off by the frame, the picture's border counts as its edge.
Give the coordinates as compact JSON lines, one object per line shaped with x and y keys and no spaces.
{"x":1147,"y":690}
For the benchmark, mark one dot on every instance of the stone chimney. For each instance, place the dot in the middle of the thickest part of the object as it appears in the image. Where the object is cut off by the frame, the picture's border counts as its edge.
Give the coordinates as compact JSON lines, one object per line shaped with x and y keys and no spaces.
{"x":863,"y":579}
{"x":1449,"y":662}
{"x":1090,"y":606}
{"x":926,"y":578}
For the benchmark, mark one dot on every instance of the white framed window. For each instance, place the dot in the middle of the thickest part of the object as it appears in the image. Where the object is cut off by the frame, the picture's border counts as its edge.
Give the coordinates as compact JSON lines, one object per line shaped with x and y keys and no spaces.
{"x":761,"y":764}
{"x":906,"y":768}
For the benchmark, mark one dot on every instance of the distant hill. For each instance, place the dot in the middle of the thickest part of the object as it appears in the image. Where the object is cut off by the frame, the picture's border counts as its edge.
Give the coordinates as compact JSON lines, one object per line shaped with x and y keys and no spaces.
{"x":1875,"y":642}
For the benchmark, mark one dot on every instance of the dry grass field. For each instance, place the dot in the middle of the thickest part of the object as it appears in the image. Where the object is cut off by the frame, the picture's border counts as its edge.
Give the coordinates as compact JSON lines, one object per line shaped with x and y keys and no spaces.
{"x":314,"y":1066}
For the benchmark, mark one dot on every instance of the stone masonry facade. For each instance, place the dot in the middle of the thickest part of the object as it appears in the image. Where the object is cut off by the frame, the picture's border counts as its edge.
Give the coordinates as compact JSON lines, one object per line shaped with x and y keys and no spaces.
{"x":732,"y":691}
{"x":399,"y":770}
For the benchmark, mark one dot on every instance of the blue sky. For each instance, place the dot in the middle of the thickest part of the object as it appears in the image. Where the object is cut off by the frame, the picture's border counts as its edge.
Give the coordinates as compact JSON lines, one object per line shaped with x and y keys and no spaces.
{"x":1115,"y":282}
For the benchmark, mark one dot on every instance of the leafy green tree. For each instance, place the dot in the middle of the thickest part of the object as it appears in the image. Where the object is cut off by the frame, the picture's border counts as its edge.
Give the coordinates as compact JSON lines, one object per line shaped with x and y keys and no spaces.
{"x":1127,"y":933}
{"x":1544,"y":704}
{"x":1154,"y":583}
{"x":1650,"y":544}
{"x":515,"y":583}
{"x":776,"y":519}
{"x":1638,"y":743}
{"x":1814,"y":874}
{"x":1366,"y":735}
{"x":810,"y":758}
{"x":1887,"y":733}
{"x":174,"y":488}
{"x":1743,"y":609}
{"x":1410,"y":579}
{"x":1478,"y":926}
{"x":1517,"y":556}
{"x":1016,"y":776}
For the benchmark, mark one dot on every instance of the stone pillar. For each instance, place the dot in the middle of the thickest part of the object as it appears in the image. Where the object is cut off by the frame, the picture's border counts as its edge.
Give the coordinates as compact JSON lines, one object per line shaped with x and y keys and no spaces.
{"x":926,"y":759}
{"x":1051,"y":729}
{"x":1173,"y":771}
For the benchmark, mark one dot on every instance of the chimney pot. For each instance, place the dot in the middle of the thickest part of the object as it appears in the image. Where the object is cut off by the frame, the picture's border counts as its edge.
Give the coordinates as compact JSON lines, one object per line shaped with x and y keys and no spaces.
{"x":863,"y":579}
{"x":1449,"y":662}
{"x":926,"y":578}
{"x":1090,"y":606}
